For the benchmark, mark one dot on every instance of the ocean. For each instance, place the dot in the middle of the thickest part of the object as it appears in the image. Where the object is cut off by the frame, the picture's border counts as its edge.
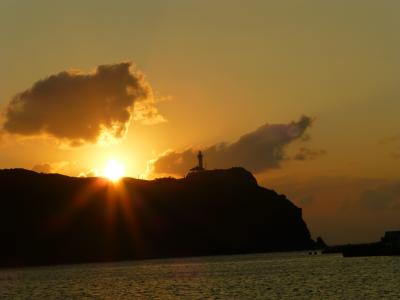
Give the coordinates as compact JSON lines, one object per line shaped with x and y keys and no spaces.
{"x":256,"y":276}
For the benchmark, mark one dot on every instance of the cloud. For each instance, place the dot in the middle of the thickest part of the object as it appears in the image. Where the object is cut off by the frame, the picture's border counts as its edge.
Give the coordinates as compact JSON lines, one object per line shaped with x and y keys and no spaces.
{"x":62,"y":167}
{"x":147,"y":113}
{"x":67,"y":168}
{"x":308,"y":154}
{"x":257,"y":151}
{"x":390,"y":139}
{"x":90,"y":173}
{"x":342,"y":209}
{"x":42,"y":168}
{"x":79,"y":108}
{"x":385,"y":196}
{"x":395,"y":155}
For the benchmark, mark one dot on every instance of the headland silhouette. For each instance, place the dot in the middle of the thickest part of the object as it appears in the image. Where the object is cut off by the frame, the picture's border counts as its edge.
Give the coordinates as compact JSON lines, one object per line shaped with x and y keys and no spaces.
{"x":52,"y":218}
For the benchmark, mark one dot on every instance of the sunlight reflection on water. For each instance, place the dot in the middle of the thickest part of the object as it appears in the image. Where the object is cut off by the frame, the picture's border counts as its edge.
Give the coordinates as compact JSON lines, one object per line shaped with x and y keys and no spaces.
{"x":259,"y":276}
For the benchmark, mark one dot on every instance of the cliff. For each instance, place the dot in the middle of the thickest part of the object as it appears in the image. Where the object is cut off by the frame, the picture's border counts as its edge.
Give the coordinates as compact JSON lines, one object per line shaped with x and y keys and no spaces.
{"x":51,"y":218}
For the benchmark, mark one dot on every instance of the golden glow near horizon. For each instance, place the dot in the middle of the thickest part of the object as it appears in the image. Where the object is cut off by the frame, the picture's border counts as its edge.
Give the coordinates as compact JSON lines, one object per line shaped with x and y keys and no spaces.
{"x":114,"y":170}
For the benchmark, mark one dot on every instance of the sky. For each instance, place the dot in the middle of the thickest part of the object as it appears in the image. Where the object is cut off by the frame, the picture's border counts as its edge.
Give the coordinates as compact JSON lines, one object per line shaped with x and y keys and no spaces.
{"x":305,"y":94}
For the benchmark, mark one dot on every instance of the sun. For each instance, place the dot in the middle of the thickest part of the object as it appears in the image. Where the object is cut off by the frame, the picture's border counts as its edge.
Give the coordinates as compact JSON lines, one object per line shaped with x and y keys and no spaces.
{"x":114,"y":170}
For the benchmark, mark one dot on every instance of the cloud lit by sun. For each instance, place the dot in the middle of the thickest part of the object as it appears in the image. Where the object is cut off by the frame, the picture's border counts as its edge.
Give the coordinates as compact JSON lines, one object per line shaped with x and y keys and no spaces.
{"x":114,"y":170}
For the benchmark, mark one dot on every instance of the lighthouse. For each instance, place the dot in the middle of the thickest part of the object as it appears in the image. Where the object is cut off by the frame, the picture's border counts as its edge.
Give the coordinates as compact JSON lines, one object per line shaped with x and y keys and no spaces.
{"x":200,"y":158}
{"x":199,"y":166}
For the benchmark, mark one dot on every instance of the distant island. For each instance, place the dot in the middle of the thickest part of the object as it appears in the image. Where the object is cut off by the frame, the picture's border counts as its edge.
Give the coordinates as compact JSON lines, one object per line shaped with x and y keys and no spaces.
{"x":52,"y":218}
{"x":389,"y":245}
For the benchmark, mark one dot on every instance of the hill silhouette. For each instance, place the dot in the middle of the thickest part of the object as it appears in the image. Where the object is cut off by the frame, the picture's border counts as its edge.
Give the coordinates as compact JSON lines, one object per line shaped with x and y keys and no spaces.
{"x":51,"y":218}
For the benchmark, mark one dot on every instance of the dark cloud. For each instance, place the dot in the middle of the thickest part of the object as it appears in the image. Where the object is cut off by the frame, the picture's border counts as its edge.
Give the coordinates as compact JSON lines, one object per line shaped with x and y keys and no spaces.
{"x":383,"y":197}
{"x":395,"y":155}
{"x":390,"y":139}
{"x":342,"y":209}
{"x":307,"y":154}
{"x":78,"y":107}
{"x":257,"y":151}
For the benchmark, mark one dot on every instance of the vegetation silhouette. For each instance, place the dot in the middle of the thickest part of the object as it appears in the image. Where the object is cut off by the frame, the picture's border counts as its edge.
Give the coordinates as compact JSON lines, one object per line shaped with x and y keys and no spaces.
{"x":52,"y":218}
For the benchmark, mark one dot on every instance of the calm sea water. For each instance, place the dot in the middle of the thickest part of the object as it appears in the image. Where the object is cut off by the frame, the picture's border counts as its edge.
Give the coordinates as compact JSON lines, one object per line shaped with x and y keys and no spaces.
{"x":261,"y":276}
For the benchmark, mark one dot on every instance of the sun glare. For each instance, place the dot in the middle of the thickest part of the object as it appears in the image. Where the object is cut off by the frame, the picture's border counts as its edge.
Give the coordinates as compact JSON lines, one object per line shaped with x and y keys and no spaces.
{"x":114,"y":170}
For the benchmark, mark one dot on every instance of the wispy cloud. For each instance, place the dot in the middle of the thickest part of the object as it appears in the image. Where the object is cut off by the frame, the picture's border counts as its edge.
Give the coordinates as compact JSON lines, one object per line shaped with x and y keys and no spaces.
{"x":305,"y":153}
{"x":257,"y":151}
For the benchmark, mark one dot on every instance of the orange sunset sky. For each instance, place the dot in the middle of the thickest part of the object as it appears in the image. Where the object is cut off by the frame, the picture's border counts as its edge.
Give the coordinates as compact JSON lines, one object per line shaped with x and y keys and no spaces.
{"x":305,"y":94}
